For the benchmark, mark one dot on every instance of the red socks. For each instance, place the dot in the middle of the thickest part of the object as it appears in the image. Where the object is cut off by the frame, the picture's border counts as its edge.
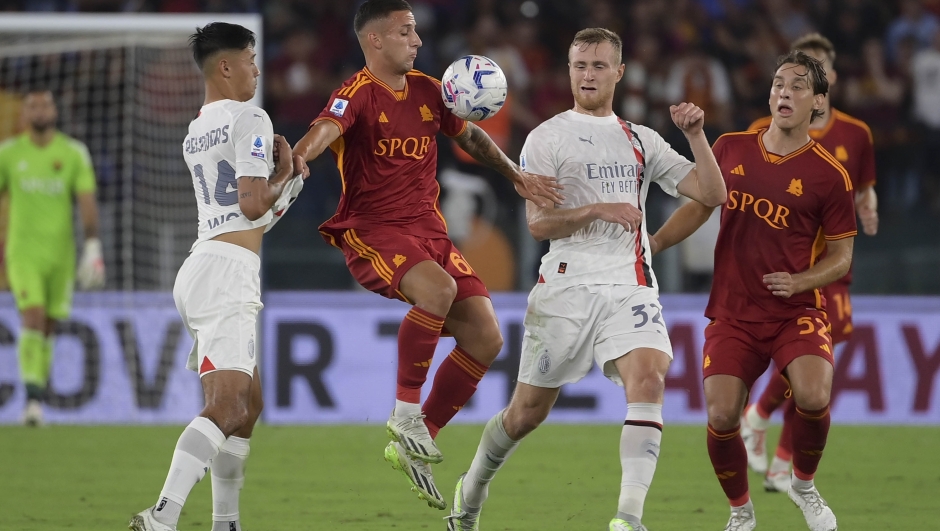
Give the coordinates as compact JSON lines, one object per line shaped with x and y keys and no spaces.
{"x":417,"y":340}
{"x":774,"y":395}
{"x":810,"y":430}
{"x":455,"y":382}
{"x":729,"y":458}
{"x":785,"y":446}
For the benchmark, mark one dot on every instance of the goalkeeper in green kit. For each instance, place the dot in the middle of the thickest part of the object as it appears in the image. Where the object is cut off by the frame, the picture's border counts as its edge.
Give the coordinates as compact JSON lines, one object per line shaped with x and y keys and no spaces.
{"x":43,"y":170}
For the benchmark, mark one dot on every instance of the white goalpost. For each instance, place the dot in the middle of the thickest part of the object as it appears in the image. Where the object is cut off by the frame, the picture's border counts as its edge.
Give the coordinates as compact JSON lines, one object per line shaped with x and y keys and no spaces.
{"x":125,"y":85}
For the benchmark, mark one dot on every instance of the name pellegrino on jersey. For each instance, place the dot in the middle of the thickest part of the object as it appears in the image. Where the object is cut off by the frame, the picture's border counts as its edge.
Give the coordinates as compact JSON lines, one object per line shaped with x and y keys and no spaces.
{"x":765,"y":209}
{"x":196,"y":144}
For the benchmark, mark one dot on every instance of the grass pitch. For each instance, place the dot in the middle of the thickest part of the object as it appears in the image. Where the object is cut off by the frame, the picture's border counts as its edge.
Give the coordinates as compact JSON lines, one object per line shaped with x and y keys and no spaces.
{"x":562,"y":478}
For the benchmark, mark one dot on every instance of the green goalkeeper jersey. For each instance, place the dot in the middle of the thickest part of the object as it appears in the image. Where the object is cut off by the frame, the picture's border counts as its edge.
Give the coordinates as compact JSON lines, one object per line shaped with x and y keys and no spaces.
{"x":42,"y":183}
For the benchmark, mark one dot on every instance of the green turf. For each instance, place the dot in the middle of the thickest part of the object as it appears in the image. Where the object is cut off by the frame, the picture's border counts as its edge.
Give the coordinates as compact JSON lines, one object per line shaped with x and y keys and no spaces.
{"x":562,"y":478}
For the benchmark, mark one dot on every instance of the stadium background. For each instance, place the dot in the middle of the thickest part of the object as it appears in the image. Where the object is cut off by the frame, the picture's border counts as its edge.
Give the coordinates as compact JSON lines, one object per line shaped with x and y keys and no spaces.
{"x":328,"y":348}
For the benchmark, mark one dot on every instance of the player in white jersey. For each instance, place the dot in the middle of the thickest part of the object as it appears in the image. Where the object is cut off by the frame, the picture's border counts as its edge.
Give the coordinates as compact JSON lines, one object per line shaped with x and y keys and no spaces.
{"x":596,"y":299}
{"x":242,"y":180}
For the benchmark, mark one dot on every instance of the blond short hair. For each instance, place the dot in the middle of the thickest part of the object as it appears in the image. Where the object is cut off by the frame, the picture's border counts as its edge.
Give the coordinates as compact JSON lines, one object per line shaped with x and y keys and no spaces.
{"x":598,"y":35}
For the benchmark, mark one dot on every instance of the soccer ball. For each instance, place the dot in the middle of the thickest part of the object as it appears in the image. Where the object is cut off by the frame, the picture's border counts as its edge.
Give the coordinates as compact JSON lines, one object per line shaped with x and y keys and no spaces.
{"x":474,"y":87}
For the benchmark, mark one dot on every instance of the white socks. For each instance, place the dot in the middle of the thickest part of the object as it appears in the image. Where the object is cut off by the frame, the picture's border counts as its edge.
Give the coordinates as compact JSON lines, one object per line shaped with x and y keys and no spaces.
{"x":199,"y":443}
{"x":228,"y":477}
{"x":754,"y":420}
{"x":495,"y":448}
{"x":406,"y":409}
{"x":800,"y":485}
{"x":639,"y":452}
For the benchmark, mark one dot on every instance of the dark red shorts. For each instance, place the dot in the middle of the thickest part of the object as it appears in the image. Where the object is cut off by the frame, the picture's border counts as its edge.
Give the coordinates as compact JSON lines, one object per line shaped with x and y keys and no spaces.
{"x":839,"y":310}
{"x":744,"y":349}
{"x":378,"y":259}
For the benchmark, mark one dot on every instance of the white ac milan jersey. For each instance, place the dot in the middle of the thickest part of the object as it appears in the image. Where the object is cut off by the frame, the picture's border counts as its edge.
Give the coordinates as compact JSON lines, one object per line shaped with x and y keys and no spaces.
{"x":228,"y":139}
{"x":602,"y":160}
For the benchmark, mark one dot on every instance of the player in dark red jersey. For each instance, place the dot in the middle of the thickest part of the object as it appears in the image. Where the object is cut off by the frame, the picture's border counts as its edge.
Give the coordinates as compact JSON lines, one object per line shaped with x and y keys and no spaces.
{"x":850,"y":141}
{"x":381,"y":126}
{"x":788,"y":200}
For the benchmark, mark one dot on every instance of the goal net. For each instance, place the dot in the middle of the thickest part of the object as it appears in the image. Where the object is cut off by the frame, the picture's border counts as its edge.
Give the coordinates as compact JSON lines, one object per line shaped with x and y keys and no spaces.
{"x":127,"y":87}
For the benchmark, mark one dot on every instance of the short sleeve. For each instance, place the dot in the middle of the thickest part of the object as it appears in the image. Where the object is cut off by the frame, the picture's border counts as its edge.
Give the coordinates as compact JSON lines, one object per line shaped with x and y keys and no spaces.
{"x":664,"y":165}
{"x":451,"y":125}
{"x":342,"y":109}
{"x":84,"y":176}
{"x":253,"y":135}
{"x":838,"y":219}
{"x":866,"y":169}
{"x":538,"y":155}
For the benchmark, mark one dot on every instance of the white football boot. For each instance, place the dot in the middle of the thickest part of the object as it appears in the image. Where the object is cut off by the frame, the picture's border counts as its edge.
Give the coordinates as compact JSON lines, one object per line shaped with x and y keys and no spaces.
{"x":618,"y":524}
{"x":742,"y":518}
{"x":755,"y":442}
{"x":818,"y":515}
{"x":418,"y":473}
{"x":777,"y":480}
{"x":462,"y":518}
{"x":144,"y":521}
{"x":413,"y":435}
{"x":32,"y":415}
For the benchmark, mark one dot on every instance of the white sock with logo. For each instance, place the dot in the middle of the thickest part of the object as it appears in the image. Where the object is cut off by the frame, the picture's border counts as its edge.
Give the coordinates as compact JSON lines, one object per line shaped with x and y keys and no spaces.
{"x":495,"y":448}
{"x":228,"y":477}
{"x":196,"y":447}
{"x":639,"y":452}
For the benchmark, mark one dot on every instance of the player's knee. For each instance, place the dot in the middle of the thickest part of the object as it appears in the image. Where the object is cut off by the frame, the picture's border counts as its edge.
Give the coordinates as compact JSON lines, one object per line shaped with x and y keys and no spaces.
{"x":34,"y":319}
{"x":812,"y":399}
{"x":723,"y":418}
{"x":491,"y":345}
{"x":647,"y":387}
{"x":229,"y":417}
{"x":447,"y":291}
{"x":521,"y":420}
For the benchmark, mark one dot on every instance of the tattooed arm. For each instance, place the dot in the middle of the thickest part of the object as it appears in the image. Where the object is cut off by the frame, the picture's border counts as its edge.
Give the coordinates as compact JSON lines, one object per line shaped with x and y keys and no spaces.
{"x":539,"y":189}
{"x":257,"y":194}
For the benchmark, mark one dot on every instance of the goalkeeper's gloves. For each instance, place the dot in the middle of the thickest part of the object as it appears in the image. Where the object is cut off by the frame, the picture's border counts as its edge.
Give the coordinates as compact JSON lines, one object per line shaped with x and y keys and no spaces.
{"x":90,"y":273}
{"x":288,"y":195}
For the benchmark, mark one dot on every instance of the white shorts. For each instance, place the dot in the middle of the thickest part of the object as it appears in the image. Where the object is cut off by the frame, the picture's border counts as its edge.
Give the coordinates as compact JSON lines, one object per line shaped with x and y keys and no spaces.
{"x":218,"y":295}
{"x":566,"y":328}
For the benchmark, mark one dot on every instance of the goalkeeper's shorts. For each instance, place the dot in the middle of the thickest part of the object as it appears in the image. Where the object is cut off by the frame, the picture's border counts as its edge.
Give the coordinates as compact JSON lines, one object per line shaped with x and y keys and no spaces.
{"x":218,"y":295}
{"x":43,"y":283}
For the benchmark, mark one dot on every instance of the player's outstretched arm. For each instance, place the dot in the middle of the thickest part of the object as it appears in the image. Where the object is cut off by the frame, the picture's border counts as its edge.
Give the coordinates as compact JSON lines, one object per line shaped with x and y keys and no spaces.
{"x":681,"y":224}
{"x":826,"y":271}
{"x":318,"y":138}
{"x":257,"y":194}
{"x":541,"y":190}
{"x":704,"y":183}
{"x":866,"y":204}
{"x":550,"y":223}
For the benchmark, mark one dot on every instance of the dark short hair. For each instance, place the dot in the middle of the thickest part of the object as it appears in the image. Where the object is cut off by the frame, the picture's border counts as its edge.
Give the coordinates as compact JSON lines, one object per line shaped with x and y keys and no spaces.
{"x":377,"y":9}
{"x":597,"y":36}
{"x":218,"y":37}
{"x":815,"y":41}
{"x":817,"y":74}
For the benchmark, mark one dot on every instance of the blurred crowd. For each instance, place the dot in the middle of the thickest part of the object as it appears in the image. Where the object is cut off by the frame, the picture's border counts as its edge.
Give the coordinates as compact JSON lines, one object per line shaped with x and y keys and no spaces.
{"x":718,"y":54}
